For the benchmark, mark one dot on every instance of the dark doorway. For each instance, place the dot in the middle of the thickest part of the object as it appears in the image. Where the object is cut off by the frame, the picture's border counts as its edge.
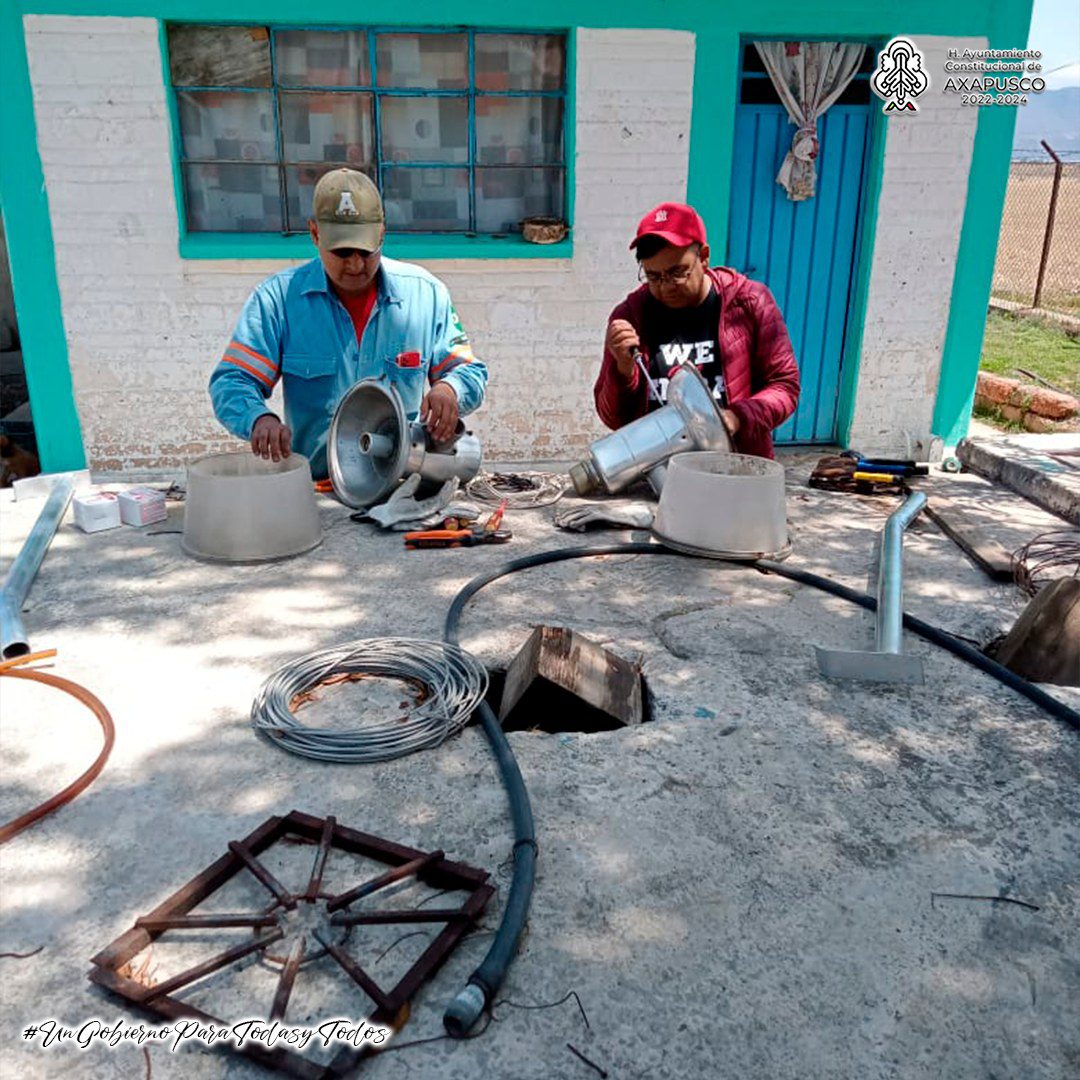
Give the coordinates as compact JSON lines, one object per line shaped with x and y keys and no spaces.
{"x":18,"y":445}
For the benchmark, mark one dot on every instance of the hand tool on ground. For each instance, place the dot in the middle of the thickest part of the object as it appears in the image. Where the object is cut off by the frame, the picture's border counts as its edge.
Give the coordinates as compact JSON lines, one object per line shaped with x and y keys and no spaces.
{"x":468,"y":535}
{"x":445,"y":538}
{"x":897,"y":468}
{"x":876,"y":477}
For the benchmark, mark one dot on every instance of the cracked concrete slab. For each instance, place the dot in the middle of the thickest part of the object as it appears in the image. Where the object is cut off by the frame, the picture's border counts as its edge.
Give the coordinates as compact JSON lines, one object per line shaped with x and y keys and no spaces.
{"x":744,"y":886}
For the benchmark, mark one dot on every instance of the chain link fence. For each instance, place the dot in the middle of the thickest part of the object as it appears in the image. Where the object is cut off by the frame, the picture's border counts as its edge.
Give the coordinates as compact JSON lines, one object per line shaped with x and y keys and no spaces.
{"x":1038,"y":257}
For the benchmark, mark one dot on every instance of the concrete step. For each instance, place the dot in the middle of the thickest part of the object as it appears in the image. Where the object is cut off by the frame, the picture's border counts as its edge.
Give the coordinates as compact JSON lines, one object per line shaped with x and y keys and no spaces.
{"x":1042,"y":468}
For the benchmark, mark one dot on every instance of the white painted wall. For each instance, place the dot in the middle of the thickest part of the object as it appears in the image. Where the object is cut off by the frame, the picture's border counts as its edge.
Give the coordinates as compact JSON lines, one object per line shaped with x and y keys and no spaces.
{"x":920,"y":213}
{"x":145,"y":328}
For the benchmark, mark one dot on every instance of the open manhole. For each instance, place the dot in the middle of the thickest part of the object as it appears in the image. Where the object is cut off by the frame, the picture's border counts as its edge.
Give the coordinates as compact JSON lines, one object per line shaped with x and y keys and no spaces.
{"x":561,"y":681}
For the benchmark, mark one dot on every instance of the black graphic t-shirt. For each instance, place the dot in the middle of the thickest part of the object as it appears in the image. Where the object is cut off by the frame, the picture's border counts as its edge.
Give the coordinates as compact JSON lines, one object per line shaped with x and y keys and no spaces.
{"x":673,"y":336}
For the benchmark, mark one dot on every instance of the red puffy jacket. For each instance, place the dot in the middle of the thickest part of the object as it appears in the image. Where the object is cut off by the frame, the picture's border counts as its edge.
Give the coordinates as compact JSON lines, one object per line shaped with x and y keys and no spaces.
{"x":760,"y":372}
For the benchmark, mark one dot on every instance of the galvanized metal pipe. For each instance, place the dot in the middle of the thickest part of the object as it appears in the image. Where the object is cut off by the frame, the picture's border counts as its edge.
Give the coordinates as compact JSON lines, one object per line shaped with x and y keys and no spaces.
{"x":890,"y":585}
{"x":23,"y":570}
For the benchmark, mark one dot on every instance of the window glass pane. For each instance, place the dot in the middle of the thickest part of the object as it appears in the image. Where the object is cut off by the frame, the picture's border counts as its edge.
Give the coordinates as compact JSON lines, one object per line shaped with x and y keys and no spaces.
{"x":426,"y":200}
{"x":232,"y":198}
{"x":300,"y":181}
{"x":322,"y":58}
{"x":327,"y":127}
{"x":423,"y":61}
{"x":232,"y":126}
{"x":505,"y":196}
{"x":518,"y":131}
{"x":219,"y":55}
{"x":519,"y":61}
{"x":425,"y":129}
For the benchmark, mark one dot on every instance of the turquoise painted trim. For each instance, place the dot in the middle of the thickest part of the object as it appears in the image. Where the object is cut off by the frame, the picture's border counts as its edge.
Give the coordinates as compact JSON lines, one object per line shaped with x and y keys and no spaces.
{"x":864,"y":258}
{"x":28,"y":229}
{"x":570,"y":127}
{"x":988,"y":179}
{"x":174,"y":137}
{"x":398,"y":245}
{"x":712,"y":134}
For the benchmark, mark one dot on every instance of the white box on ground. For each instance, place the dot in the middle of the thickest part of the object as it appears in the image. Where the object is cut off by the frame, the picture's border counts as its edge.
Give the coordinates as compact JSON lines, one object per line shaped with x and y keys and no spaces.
{"x":142,"y":506}
{"x":97,"y":511}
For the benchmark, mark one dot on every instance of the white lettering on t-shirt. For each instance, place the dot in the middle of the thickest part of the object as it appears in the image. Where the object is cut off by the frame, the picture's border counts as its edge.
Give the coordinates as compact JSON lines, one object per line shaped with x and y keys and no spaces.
{"x":675,"y":353}
{"x":704,"y":350}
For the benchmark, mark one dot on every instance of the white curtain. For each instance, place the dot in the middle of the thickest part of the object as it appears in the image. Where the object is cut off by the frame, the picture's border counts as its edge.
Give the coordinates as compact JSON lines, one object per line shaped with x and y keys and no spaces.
{"x":809,"y":76}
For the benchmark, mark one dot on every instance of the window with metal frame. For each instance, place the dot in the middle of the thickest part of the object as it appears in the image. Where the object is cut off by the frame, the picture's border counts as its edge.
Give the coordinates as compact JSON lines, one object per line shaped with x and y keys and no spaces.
{"x":461,"y":129}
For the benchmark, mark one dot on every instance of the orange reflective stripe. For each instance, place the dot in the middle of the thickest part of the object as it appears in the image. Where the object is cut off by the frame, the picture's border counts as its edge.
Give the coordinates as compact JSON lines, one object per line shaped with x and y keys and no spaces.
{"x":461,"y":354}
{"x":254,"y":355}
{"x":260,"y":375}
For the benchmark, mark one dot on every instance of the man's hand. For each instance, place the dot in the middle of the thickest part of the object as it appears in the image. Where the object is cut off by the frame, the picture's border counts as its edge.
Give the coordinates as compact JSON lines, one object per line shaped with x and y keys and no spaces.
{"x":621,"y":341}
{"x":731,"y":421}
{"x":270,"y":439}
{"x":439,"y":411}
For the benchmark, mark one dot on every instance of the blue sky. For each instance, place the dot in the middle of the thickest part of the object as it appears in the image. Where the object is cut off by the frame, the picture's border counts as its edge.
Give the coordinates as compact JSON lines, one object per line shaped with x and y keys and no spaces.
{"x":1055,"y":30}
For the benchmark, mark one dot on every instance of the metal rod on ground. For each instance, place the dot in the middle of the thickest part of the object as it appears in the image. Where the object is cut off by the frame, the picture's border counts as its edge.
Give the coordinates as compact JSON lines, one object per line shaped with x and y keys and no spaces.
{"x":886,"y":662}
{"x":1050,"y":215}
{"x":890,"y":589}
{"x":23,"y":570}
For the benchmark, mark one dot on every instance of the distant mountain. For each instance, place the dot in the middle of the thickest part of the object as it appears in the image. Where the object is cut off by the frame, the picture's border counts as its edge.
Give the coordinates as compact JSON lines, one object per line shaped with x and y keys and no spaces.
{"x":1053,"y":115}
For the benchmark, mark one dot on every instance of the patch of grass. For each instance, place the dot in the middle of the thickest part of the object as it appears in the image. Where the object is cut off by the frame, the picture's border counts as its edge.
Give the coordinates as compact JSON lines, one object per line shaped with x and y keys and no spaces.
{"x":992,"y":415}
{"x":1015,"y":342}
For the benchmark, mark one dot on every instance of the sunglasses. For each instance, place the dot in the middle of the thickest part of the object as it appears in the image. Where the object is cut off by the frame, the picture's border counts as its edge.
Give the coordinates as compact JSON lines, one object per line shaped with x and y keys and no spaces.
{"x":348,"y":253}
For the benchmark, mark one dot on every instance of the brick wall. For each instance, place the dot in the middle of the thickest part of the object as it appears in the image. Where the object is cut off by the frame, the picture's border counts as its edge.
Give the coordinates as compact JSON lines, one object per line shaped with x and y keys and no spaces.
{"x":145,"y":328}
{"x":920,"y":212}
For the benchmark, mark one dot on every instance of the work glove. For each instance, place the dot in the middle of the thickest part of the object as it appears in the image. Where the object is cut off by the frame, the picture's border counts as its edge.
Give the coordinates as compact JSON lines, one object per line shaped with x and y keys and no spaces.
{"x":403,"y":506}
{"x":579,"y":517}
{"x":461,"y":511}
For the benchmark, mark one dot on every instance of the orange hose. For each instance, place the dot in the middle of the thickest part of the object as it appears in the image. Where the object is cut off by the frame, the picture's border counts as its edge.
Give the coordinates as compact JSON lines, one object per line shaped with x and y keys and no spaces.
{"x":30,"y":658}
{"x":13,"y":828}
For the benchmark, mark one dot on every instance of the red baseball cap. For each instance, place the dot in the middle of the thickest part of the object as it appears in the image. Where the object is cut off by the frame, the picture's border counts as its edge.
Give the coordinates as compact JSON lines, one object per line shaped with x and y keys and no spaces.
{"x":674,"y":222}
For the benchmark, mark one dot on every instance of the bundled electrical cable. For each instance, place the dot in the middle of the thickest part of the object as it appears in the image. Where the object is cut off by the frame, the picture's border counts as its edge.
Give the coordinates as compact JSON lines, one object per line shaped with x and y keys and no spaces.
{"x":451,"y":684}
{"x":521,"y":491}
{"x":1048,"y":556}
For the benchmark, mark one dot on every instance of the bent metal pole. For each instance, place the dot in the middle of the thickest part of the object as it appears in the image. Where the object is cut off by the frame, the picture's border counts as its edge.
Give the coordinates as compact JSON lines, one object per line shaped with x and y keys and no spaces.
{"x":21,"y":573}
{"x":890,"y":587}
{"x":886,"y":662}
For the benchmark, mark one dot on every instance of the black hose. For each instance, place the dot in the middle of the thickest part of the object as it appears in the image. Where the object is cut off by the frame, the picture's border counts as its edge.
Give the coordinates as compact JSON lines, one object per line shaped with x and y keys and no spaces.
{"x":934,"y":634}
{"x":485,"y":981}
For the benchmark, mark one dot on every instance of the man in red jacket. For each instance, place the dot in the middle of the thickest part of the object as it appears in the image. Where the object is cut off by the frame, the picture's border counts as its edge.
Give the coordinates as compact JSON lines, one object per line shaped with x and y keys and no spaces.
{"x":728,"y":326}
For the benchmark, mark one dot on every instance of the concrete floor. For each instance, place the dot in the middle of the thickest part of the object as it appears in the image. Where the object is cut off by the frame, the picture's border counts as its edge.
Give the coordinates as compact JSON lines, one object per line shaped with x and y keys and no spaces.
{"x":742,"y":887}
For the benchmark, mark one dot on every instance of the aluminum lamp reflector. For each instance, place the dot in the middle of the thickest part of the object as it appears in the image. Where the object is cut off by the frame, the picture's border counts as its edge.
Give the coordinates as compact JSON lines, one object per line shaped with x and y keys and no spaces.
{"x":689,"y":421}
{"x":373,"y":446}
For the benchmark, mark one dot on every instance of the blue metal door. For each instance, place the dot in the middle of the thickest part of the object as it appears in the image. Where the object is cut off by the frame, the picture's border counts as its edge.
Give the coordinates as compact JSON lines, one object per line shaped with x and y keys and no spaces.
{"x":804,"y":251}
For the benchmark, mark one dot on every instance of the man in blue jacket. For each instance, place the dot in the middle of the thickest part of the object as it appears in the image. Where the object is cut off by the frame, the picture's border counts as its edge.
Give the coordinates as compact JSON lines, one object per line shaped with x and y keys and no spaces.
{"x":347,"y":315}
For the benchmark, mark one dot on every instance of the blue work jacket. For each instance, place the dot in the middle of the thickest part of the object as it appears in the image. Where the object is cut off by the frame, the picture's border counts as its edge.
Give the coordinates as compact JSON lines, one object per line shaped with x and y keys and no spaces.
{"x":294,"y":327}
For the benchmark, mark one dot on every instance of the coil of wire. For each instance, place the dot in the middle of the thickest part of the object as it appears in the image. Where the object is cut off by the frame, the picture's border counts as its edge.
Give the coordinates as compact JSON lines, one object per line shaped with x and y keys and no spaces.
{"x":453,"y":683}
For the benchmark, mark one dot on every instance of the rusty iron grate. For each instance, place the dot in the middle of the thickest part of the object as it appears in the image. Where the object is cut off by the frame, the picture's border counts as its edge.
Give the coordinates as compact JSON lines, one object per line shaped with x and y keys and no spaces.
{"x":306,"y":929}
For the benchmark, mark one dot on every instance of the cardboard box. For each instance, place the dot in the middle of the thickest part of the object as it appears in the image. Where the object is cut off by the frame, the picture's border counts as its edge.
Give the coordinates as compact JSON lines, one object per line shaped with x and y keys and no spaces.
{"x":142,"y":506}
{"x":96,"y":511}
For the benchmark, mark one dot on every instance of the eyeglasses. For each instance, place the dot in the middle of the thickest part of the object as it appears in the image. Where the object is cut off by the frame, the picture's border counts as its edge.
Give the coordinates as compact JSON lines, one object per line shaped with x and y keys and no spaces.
{"x":677,"y":275}
{"x":348,"y":253}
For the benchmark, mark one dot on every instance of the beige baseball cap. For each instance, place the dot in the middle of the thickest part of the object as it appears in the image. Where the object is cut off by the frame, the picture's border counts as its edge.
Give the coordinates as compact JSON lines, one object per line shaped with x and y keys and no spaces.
{"x":348,"y":210}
